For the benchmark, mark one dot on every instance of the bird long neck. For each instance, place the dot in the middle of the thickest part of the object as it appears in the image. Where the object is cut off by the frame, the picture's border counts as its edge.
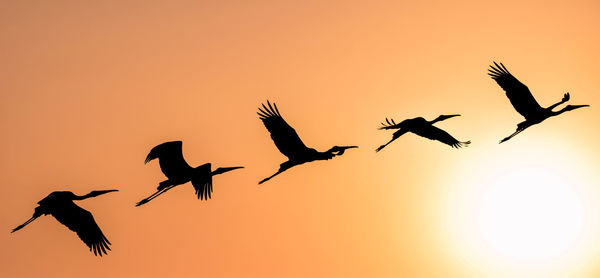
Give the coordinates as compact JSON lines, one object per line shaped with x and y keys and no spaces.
{"x":436,"y":120}
{"x":82,"y":197}
{"x":556,"y":113}
{"x":92,"y":194}
{"x":554,"y":106}
{"x":565,"y":109}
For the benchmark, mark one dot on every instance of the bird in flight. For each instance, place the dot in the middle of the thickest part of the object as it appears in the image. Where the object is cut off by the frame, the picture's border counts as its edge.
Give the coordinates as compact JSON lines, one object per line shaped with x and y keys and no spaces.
{"x":523,"y":101}
{"x":60,"y":205}
{"x":178,"y":171}
{"x":423,"y":128}
{"x":289,"y":143}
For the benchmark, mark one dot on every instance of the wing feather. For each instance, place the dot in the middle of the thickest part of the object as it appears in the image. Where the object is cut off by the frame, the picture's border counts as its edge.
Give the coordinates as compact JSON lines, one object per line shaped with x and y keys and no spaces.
{"x":519,"y":95}
{"x":433,"y":133}
{"x":202,"y":181}
{"x":82,"y":222}
{"x":284,"y":136}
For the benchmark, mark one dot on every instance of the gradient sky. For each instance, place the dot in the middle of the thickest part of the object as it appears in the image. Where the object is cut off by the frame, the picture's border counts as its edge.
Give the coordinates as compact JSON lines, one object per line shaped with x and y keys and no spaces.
{"x":88,"y":89}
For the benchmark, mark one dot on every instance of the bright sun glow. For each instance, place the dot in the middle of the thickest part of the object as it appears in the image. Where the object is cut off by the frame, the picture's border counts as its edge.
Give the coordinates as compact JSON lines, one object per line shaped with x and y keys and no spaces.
{"x":522,"y":213}
{"x":530,"y":214}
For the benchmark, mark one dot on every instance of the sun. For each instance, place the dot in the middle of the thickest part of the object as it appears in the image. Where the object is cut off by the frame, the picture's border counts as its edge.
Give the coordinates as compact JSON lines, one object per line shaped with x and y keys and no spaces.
{"x":522,"y":212}
{"x":530,"y":214}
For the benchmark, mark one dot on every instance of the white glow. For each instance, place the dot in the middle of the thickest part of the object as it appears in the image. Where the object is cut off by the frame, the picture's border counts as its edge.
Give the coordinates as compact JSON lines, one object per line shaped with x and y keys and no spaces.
{"x":524,"y":212}
{"x":530,"y":214}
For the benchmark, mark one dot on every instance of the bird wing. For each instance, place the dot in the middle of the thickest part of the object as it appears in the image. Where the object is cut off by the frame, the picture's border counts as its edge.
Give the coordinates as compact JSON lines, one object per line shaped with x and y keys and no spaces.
{"x":170,"y":156}
{"x":433,"y":133}
{"x":82,"y":222}
{"x":519,"y":95}
{"x":202,"y":181}
{"x":285,"y":137}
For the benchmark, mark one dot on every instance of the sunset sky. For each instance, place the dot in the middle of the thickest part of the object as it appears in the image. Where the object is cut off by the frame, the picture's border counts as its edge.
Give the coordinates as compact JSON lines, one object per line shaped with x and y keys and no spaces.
{"x":88,"y":89}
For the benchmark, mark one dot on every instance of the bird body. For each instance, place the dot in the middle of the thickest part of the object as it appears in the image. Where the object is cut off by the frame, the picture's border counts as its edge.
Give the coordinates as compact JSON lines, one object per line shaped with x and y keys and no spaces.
{"x":60,"y":205}
{"x":423,"y":128}
{"x":523,"y":101}
{"x":289,"y":143}
{"x":178,"y":171}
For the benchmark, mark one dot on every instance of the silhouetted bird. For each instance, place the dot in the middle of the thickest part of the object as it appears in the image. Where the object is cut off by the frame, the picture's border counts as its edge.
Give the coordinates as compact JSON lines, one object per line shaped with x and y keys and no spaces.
{"x":289,"y":143}
{"x":178,"y":171}
{"x":60,"y":205}
{"x":423,"y":128}
{"x":523,"y":101}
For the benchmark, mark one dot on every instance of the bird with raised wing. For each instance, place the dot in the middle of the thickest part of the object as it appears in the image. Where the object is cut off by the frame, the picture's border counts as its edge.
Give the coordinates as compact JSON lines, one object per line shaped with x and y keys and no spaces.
{"x":523,"y":101}
{"x":60,"y":205}
{"x":178,"y":171}
{"x":423,"y":128}
{"x":289,"y":143}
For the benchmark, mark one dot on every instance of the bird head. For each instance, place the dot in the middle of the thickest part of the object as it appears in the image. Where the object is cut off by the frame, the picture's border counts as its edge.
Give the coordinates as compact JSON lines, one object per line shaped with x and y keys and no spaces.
{"x":339,"y":150}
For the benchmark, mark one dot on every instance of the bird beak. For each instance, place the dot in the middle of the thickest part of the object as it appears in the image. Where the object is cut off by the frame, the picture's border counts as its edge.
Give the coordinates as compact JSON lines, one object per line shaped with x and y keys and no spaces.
{"x":100,"y":192}
{"x":573,"y":107}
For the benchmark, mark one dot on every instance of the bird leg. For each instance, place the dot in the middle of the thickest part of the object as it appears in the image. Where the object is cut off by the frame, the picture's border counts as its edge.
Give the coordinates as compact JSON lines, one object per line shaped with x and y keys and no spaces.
{"x":395,"y":136}
{"x":154,"y":195}
{"x":266,"y":179}
{"x":164,"y":184}
{"x":520,"y":127}
{"x":284,"y":166}
{"x":385,"y":145}
{"x":36,"y":214}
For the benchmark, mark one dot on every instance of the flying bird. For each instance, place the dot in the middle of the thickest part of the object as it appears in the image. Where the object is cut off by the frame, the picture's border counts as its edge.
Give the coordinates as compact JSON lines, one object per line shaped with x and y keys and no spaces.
{"x":178,"y":171}
{"x":60,"y":205}
{"x":523,"y":101}
{"x":423,"y":128}
{"x":289,"y":143}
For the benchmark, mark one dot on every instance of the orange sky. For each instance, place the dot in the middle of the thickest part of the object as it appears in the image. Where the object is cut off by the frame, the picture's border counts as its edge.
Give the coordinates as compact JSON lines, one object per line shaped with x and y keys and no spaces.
{"x":88,"y":89}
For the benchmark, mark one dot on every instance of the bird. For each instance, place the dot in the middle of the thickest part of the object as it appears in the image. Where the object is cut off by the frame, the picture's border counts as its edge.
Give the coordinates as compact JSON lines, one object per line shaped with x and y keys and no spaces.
{"x":289,"y":143}
{"x":423,"y":128}
{"x":178,"y":171}
{"x":523,"y":101}
{"x":60,"y":205}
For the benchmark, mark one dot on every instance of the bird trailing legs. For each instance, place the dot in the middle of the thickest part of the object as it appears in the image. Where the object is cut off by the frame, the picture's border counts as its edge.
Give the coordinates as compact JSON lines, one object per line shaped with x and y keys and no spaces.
{"x":395,"y":136}
{"x":154,"y":195}
{"x":37,"y":213}
{"x":282,"y":167}
{"x":520,"y":127}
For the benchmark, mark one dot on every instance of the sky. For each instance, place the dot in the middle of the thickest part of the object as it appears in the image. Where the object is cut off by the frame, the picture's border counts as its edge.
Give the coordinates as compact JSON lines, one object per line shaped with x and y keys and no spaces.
{"x":87,"y":89}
